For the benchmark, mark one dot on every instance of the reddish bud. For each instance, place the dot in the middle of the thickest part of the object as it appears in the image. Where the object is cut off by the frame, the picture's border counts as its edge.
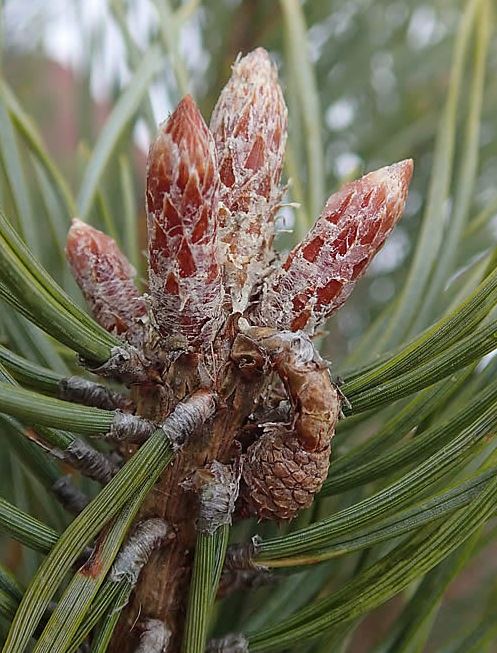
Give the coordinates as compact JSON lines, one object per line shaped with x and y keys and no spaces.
{"x":182,"y":195}
{"x":249,"y":124}
{"x":319,"y":274}
{"x":105,"y":277}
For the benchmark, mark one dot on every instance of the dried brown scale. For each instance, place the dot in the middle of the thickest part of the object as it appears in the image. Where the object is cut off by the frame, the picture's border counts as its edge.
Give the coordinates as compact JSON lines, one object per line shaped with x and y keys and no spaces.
{"x":88,"y":461}
{"x":315,"y":399}
{"x":266,"y":412}
{"x":273,"y":413}
{"x":82,"y":391}
{"x":249,"y":124}
{"x":288,"y":464}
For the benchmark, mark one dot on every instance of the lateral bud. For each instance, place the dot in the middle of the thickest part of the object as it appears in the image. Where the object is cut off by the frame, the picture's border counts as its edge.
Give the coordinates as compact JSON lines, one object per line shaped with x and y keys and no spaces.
{"x":105,"y":277}
{"x":320,"y":273}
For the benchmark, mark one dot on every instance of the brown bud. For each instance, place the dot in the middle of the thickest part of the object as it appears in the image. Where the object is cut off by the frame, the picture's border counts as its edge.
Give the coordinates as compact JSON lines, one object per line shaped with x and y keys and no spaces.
{"x":105,"y":277}
{"x":182,"y":195}
{"x":320,"y":273}
{"x":249,"y":124}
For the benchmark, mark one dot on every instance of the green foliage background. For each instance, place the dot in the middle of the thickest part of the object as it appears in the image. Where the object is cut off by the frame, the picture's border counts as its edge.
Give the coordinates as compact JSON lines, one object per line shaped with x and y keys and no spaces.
{"x":409,"y":504}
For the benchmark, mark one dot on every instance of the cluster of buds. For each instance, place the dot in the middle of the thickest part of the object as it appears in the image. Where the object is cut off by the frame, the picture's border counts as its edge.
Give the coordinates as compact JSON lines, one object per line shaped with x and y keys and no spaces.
{"x":212,"y":195}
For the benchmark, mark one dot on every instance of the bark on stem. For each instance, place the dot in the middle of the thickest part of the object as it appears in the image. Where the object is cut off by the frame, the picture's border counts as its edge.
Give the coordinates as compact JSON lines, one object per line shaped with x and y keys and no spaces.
{"x":163,"y":585}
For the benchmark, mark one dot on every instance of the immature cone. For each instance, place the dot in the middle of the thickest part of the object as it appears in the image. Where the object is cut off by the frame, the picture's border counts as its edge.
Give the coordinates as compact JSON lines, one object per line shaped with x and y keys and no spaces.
{"x":105,"y":277}
{"x":249,"y":124}
{"x":279,"y":476}
{"x":182,"y":196}
{"x":319,"y":273}
{"x":283,"y":470}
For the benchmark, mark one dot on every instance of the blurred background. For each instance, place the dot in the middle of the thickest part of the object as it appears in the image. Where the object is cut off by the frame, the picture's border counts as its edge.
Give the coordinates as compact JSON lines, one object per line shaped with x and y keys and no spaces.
{"x":96,"y":77}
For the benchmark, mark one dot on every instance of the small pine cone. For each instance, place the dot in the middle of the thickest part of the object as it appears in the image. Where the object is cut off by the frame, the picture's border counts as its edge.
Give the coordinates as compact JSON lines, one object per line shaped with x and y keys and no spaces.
{"x":320,"y":273}
{"x":182,"y":196}
{"x":279,"y":477}
{"x":249,"y":124}
{"x":105,"y":277}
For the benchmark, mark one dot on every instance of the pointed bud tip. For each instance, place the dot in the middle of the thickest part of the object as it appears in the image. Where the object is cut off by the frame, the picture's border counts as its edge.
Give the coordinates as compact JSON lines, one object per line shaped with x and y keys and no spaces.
{"x":396,"y":178}
{"x":77,"y":222}
{"x":255,"y":66}
{"x":187,"y":106}
{"x":403,"y":169}
{"x":400,"y":171}
{"x":77,"y":225}
{"x":258,"y":55}
{"x":186,"y":116}
{"x":187,"y":129}
{"x":83,"y":240}
{"x":80,"y":229}
{"x":406,"y":164}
